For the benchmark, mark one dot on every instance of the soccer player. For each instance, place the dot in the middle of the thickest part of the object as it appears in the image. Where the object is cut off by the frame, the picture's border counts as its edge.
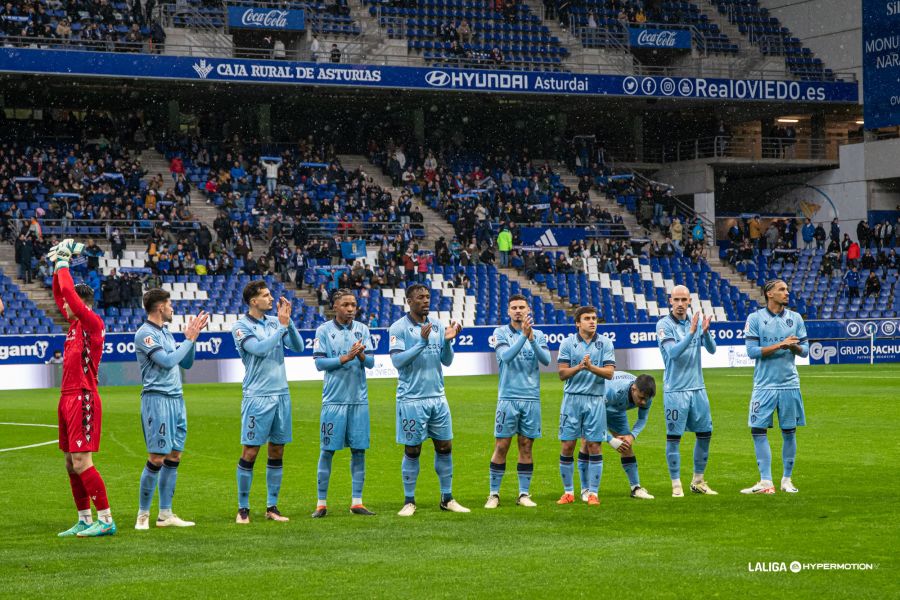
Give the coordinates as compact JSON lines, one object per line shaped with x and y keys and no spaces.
{"x":774,"y":335}
{"x":80,"y":410}
{"x":586,"y":360}
{"x":521,"y":350}
{"x":344,"y":350}
{"x":266,"y":404}
{"x":625,"y":392}
{"x":684,"y":392}
{"x":163,"y":415}
{"x":419,"y":345}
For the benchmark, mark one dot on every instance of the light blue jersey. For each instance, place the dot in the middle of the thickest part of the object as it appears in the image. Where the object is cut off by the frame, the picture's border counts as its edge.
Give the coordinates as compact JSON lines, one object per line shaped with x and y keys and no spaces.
{"x":418,"y":362}
{"x":261,"y":347}
{"x":160,"y":358}
{"x":764,"y":328}
{"x":681,"y":353}
{"x":519,"y":360}
{"x":572,"y":351}
{"x":618,"y":401}
{"x":344,"y":384}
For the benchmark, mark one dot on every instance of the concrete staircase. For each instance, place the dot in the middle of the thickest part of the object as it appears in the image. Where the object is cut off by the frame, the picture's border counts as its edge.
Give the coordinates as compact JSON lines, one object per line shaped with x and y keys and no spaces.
{"x":725,"y":26}
{"x":202,"y":43}
{"x":155,"y":164}
{"x":581,"y":59}
{"x":723,"y":269}
{"x":436,"y":226}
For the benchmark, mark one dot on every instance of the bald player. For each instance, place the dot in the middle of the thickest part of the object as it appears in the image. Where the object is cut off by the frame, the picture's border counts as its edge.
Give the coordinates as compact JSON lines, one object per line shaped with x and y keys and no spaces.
{"x":684,"y":392}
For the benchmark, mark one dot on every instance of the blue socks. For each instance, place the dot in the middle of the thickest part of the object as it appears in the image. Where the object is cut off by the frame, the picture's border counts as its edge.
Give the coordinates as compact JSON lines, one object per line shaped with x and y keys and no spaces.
{"x":167,"y":478}
{"x":701,"y":452}
{"x":357,"y":472}
{"x":789,"y":450}
{"x":274,"y":471}
{"x":567,"y":472}
{"x":244,"y":481}
{"x":583,"y":469}
{"x":497,"y":471}
{"x":410,"y":470}
{"x":595,"y":472}
{"x":763,"y":453}
{"x":525,"y":472}
{"x":673,"y":456}
{"x":323,"y":474}
{"x":629,"y":464}
{"x":443,"y":466}
{"x":149,"y":477}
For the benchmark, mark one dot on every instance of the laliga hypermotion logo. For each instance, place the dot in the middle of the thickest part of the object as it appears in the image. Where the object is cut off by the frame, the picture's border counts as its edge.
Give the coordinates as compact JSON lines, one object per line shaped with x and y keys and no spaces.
{"x":203,"y":68}
{"x":437,"y":78}
{"x":824,"y":353}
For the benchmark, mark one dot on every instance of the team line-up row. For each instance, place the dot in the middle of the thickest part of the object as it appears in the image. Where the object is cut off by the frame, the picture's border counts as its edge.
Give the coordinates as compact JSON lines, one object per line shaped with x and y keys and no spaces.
{"x":596,"y":398}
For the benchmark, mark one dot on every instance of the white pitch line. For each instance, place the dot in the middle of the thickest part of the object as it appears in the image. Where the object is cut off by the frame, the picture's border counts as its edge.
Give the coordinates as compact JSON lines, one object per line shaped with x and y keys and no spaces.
{"x":807,"y":376}
{"x":30,"y":445}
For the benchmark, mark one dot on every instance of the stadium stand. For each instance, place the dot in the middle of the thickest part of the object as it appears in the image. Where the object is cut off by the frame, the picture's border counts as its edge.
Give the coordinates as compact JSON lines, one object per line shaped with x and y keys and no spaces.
{"x":21,"y":315}
{"x":773,"y":38}
{"x":322,"y":18}
{"x":477,"y":35}
{"x":594,"y":20}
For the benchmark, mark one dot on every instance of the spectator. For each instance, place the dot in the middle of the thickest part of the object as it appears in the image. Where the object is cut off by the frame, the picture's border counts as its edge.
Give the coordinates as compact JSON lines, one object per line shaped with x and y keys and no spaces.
{"x":873,"y":285}
{"x":314,"y":48}
{"x":853,"y":253}
{"x":820,"y":236}
{"x":851,"y":280}
{"x":504,"y":245}
{"x":335,"y":54}
{"x":809,"y":234}
{"x":323,"y":297}
{"x":117,"y":244}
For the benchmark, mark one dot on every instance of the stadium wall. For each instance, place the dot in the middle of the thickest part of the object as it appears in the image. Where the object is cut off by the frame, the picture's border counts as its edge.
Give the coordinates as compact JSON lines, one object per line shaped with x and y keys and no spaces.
{"x":23,"y":358}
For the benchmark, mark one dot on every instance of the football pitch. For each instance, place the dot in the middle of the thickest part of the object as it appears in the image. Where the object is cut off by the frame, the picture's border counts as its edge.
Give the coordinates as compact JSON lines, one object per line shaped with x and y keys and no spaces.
{"x":696,"y":546}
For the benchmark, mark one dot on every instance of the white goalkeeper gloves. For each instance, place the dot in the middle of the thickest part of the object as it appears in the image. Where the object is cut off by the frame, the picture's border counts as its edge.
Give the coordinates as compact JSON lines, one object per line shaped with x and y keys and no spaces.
{"x":61,"y":254}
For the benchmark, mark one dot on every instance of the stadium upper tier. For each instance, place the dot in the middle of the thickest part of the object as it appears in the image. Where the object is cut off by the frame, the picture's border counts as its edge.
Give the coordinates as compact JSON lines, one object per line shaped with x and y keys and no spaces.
{"x":605,"y":23}
{"x":504,"y":35}
{"x":472,"y":34}
{"x":773,"y":38}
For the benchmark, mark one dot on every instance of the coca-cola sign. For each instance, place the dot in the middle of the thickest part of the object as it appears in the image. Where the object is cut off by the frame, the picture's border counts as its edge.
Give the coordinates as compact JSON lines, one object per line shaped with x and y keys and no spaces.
{"x":660,"y":38}
{"x":240,"y":17}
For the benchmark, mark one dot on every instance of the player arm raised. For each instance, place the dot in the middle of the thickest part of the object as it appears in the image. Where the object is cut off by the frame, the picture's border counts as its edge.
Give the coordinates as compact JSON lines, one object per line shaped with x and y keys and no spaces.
{"x":292,"y":338}
{"x":368,"y":360}
{"x":506,"y":353}
{"x":401,"y":357}
{"x":706,"y":337}
{"x":447,"y":351}
{"x":676,"y":349}
{"x":564,"y":362}
{"x":252,"y":344}
{"x":90,"y":320}
{"x":183,"y":354}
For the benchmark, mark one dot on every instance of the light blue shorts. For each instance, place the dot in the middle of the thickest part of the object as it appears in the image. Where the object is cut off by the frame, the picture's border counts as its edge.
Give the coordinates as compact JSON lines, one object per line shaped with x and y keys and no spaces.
{"x":423,"y":418}
{"x":582,"y":416}
{"x":344,"y":426}
{"x":266,"y":419}
{"x":518,"y":417}
{"x":617,"y":422}
{"x":788,"y":404}
{"x":164,"y":421}
{"x":687,"y":411}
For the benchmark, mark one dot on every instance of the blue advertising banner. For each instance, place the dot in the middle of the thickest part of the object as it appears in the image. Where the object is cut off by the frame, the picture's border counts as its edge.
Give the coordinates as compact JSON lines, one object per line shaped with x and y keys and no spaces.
{"x":243,"y":17}
{"x":845,"y":352}
{"x":672,"y":39}
{"x":157,"y":66}
{"x":119,"y":347}
{"x":881,"y":63}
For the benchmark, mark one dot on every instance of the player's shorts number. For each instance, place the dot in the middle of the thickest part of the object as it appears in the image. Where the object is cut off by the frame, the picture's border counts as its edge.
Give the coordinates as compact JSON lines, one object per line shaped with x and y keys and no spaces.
{"x":162,"y":429}
{"x":252,"y":422}
{"x":327,"y":432}
{"x":754,"y":407}
{"x":500,"y":420}
{"x":671,"y":414}
{"x":408,"y":425}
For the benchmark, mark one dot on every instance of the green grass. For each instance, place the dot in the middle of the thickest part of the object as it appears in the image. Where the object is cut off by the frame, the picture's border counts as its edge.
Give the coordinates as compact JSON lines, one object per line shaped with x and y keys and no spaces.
{"x":690,"y":547}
